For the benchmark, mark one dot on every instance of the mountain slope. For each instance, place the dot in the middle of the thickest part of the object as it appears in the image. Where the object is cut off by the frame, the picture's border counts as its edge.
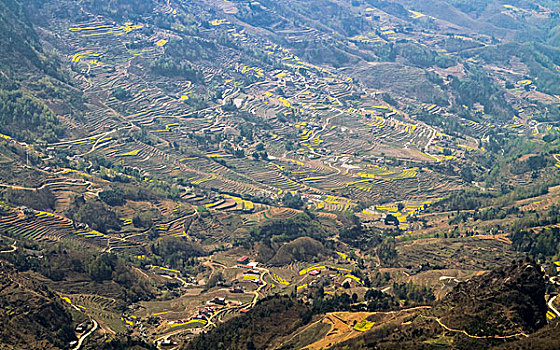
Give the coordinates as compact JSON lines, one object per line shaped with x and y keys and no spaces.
{"x":503,"y":305}
{"x":506,"y":304}
{"x":31,"y":316}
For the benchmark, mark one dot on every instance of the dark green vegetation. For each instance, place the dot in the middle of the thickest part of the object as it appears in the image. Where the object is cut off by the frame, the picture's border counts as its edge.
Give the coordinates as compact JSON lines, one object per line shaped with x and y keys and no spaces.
{"x":109,"y":275}
{"x":18,"y":108}
{"x":42,"y":199}
{"x":32,"y":316}
{"x":175,"y":252}
{"x":95,"y":214}
{"x":285,"y":230}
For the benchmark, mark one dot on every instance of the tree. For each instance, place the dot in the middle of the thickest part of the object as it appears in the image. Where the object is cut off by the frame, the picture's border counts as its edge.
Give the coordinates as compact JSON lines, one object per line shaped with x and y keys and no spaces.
{"x":467,"y":175}
{"x":239,"y":153}
{"x":214,"y":279}
{"x":97,"y":216}
{"x":292,"y":201}
{"x":387,"y":252}
{"x":42,"y":199}
{"x":120,"y":93}
{"x":391,"y":219}
{"x":113,"y":197}
{"x":27,"y":118}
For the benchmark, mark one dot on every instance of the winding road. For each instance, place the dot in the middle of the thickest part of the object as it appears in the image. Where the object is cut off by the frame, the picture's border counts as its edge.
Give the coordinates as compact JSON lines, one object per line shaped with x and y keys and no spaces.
{"x":551,"y":307}
{"x":17,"y":187}
{"x":13,"y":249}
{"x":477,"y":336}
{"x":85,"y":335}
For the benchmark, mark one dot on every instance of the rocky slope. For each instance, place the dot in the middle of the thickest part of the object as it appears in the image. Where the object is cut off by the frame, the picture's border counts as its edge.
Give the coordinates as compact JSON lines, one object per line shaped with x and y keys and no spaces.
{"x":31,"y":316}
{"x":502,"y":302}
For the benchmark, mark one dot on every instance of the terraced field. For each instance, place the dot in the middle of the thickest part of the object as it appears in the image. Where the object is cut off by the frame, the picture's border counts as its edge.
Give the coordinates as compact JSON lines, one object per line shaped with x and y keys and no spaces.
{"x":210,"y":125}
